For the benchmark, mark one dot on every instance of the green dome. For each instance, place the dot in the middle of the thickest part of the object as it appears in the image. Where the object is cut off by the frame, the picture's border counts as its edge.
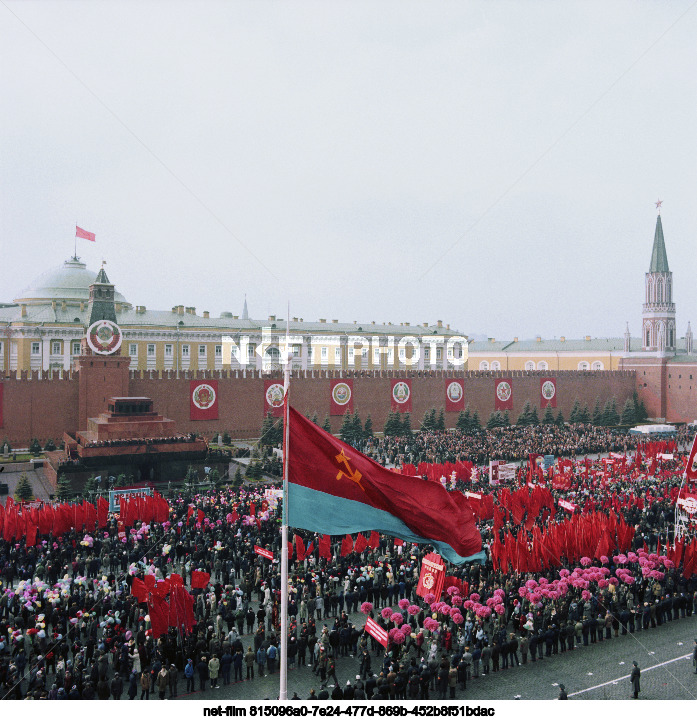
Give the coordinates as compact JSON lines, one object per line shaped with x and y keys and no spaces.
{"x":69,"y":281}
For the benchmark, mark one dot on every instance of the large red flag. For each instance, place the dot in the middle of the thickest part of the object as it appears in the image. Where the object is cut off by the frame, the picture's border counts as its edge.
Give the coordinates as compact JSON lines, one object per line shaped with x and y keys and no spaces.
{"x":374,"y":540}
{"x":325,"y":549}
{"x":158,"y":609}
{"x":361,"y":543}
{"x":139,"y":590}
{"x":347,"y":545}
{"x":358,"y":494}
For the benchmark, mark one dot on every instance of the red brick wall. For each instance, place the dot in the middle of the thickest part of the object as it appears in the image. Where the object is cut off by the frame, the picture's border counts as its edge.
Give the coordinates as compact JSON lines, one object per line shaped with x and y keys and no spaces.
{"x":46,"y":408}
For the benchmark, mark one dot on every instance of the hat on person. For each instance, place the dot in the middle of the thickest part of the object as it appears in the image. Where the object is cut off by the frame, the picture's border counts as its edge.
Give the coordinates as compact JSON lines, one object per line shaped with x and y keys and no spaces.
{"x":561,"y":686}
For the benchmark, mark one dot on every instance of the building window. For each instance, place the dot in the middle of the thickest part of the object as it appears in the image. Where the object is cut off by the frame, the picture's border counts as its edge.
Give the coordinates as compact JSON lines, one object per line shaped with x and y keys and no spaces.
{"x":351,"y":356}
{"x":35,"y":348}
{"x":296,"y":351}
{"x":133,"y":350}
{"x":427,"y":353}
{"x":376,"y":356}
{"x":168,"y":350}
{"x":185,"y":351}
{"x":597,"y":366}
{"x":530,"y":365}
{"x":542,"y":366}
{"x":495,"y":366}
{"x":439,"y":353}
{"x":403,"y":355}
{"x":325,"y":354}
{"x":337,"y":356}
{"x":76,"y":347}
{"x":364,"y":353}
{"x":251,"y":351}
{"x":218,"y":352}
{"x":202,"y":351}
{"x":583,"y":366}
{"x":309,"y":354}
{"x":484,"y":365}
{"x":151,"y":350}
{"x":56,"y":347}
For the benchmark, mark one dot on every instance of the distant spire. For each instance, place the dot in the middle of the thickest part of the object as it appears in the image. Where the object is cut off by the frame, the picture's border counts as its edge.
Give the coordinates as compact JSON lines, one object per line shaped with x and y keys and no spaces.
{"x":627,"y":339}
{"x":689,"y":339}
{"x":659,"y":259}
{"x":245,"y":311}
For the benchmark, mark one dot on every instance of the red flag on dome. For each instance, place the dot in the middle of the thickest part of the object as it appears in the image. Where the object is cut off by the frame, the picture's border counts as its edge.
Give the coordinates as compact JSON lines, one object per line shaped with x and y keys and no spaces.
{"x":80,"y":233}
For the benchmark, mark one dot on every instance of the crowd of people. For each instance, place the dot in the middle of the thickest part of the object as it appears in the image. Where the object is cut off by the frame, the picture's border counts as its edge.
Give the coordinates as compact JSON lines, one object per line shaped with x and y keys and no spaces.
{"x":72,"y":625}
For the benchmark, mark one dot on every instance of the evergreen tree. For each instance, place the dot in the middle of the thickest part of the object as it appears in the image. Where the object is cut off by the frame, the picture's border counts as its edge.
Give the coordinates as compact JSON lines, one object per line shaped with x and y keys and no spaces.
{"x":639,"y":409}
{"x":238,"y":478}
{"x":525,"y":415}
{"x":227,"y":440}
{"x":548,"y":419}
{"x":575,"y":411}
{"x":585,"y":415}
{"x":346,"y":430}
{"x":628,"y":413}
{"x":496,"y":420}
{"x":327,"y":425}
{"x":50,"y":445}
{"x":475,"y":423}
{"x":597,"y":418}
{"x":429,"y":421}
{"x":505,"y":420}
{"x":266,"y":437}
{"x":440,"y":423}
{"x":214,"y":477}
{"x":393,"y":425}
{"x":610,"y":415}
{"x":406,"y":425}
{"x":121,"y":480}
{"x":64,"y":488}
{"x":356,"y":428}
{"x":368,"y":427}
{"x":462,"y":422}
{"x":534,"y":419}
{"x":560,"y":419}
{"x":23,"y":491}
{"x":35,"y":447}
{"x":315,"y":419}
{"x":90,"y":486}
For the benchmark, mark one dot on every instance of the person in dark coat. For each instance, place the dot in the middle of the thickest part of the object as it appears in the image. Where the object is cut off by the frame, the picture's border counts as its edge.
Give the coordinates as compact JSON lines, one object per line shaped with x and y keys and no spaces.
{"x":562,"y":693}
{"x":634,"y":679}
{"x":117,"y":687}
{"x":202,"y":668}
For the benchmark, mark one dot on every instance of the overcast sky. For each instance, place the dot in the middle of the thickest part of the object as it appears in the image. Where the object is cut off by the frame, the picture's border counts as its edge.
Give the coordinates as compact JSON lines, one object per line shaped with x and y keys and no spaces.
{"x":491,"y":164}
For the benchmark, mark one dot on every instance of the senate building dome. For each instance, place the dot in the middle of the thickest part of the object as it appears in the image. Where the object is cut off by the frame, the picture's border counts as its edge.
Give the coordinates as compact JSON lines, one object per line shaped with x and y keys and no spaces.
{"x":68,"y":282}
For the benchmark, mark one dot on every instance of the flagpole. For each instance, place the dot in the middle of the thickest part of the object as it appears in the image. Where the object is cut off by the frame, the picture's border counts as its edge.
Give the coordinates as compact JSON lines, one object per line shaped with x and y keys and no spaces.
{"x":283,"y":691}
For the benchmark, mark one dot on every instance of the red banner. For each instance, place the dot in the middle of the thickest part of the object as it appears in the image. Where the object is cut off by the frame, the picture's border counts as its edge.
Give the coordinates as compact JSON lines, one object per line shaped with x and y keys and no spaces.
{"x":203,"y":396}
{"x":80,"y":233}
{"x":341,"y":397}
{"x":454,"y":395}
{"x":548,"y":392}
{"x":199,"y":579}
{"x":263,"y":552}
{"x":432,"y":576}
{"x":401,"y":396}
{"x":273,"y":398}
{"x":690,"y":468}
{"x":0,"y":405}
{"x":503,"y":394}
{"x":376,"y":631}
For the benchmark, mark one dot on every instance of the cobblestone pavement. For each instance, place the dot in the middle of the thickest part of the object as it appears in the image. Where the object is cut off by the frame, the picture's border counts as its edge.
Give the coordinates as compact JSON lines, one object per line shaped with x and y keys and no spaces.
{"x":592,"y":672}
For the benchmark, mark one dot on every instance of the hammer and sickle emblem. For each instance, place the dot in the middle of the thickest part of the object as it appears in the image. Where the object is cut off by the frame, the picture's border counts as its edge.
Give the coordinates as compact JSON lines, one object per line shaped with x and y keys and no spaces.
{"x":350,"y":473}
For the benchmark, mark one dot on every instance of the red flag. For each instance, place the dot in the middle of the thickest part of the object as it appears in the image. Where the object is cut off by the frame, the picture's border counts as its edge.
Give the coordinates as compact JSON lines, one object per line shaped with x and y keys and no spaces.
{"x":325,"y":550}
{"x":80,"y":233}
{"x":158,"y":609}
{"x":347,"y":545}
{"x":310,"y":549}
{"x":199,"y":579}
{"x":361,"y":543}
{"x":691,"y":466}
{"x":290,"y":550}
{"x":139,"y":590}
{"x":374,"y":540}
{"x":299,"y":548}
{"x":30,"y":538}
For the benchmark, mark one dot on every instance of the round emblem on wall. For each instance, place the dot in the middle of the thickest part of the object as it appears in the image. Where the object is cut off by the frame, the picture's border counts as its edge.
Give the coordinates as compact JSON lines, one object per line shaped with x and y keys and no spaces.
{"x":548,"y":390}
{"x":454,"y":392}
{"x":503,"y":391}
{"x":104,"y":337}
{"x":341,"y":394}
{"x":274,"y":395}
{"x":401,"y":392}
{"x":429,"y":581}
{"x":204,"y":396}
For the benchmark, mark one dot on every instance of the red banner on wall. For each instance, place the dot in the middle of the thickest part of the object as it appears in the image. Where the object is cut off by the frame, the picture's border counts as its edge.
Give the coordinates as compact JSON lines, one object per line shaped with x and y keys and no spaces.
{"x":432,"y":576}
{"x":203,"y":396}
{"x":454,"y":395}
{"x":548,"y":393}
{"x":340,"y":397}
{"x":401,"y":396}
{"x":273,"y":398}
{"x":503,"y":394}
